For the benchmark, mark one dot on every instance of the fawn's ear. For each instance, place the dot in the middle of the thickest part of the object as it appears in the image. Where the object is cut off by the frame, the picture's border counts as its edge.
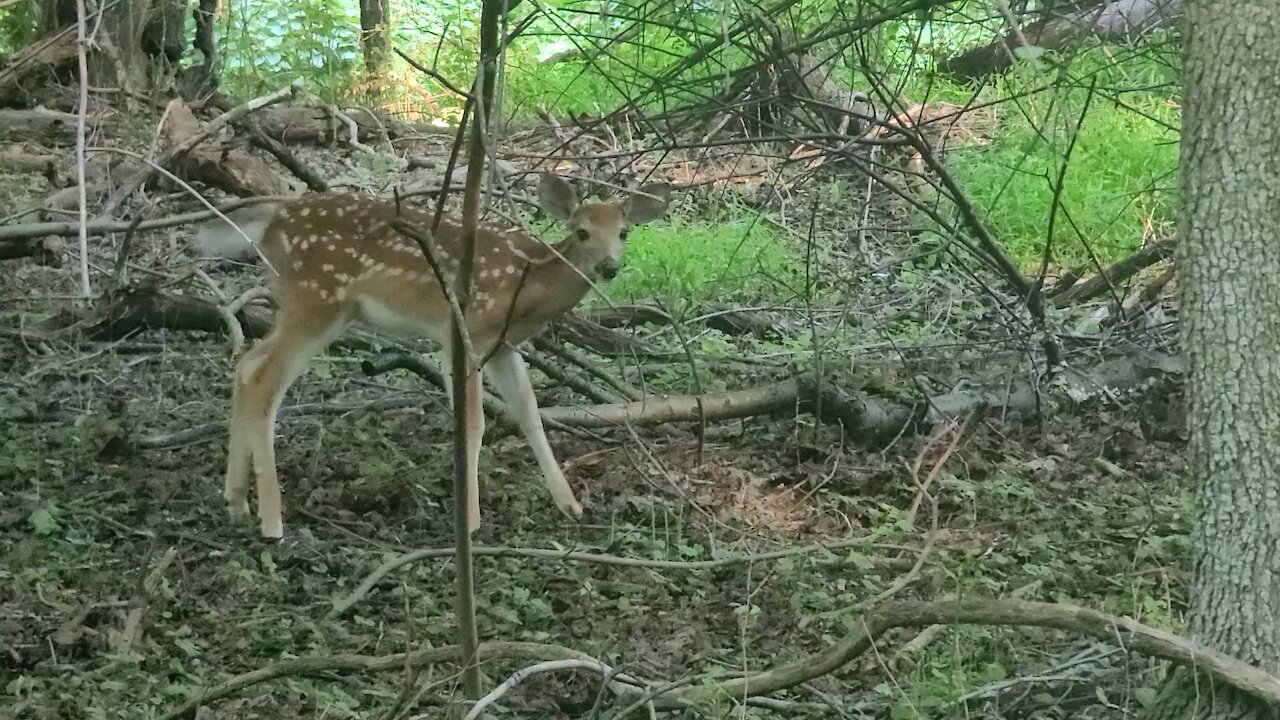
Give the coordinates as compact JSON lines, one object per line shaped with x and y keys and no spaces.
{"x":556,"y":197}
{"x":649,"y":203}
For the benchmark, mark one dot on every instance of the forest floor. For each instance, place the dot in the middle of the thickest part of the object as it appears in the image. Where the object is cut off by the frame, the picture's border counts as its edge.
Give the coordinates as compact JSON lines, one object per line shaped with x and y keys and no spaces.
{"x":126,"y":590}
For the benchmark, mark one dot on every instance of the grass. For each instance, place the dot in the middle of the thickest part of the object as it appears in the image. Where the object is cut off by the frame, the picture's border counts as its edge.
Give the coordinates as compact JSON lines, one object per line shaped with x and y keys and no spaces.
{"x":1120,"y":181}
{"x":688,"y":264}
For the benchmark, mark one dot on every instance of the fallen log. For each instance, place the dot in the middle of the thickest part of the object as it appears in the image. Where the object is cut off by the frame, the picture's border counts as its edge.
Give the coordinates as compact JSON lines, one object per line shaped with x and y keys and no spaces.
{"x":216,"y":164}
{"x":1109,"y":21}
{"x":37,"y":63}
{"x":49,"y":251}
{"x":137,"y":309}
{"x":1117,"y":272}
{"x":39,"y":124}
{"x":303,"y":125}
{"x":18,"y":158}
{"x":180,"y":149}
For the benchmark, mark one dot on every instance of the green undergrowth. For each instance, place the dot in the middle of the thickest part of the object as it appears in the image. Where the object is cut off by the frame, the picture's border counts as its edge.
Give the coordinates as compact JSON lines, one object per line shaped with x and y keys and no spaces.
{"x":1119,"y":183}
{"x":1120,"y":180}
{"x":688,"y":264}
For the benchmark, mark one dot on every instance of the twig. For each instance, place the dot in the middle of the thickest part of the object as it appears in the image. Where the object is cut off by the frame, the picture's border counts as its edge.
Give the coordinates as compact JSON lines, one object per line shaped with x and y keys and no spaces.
{"x":233,"y":308}
{"x":340,"y":607}
{"x":353,"y":130}
{"x":956,"y":428}
{"x":371,"y":664}
{"x":82,"y":58}
{"x":444,"y":81}
{"x":523,"y":674}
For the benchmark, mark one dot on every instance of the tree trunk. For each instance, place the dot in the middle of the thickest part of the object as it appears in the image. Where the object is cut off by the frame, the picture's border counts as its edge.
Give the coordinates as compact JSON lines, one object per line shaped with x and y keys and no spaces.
{"x":1229,"y":272}
{"x":139,"y":42}
{"x":374,"y":22}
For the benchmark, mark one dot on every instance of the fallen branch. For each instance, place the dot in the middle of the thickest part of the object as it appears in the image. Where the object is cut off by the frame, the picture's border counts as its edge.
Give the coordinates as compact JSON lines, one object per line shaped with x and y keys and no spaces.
{"x":601,"y":340}
{"x":15,"y":158}
{"x":1117,"y":272}
{"x":868,"y":420}
{"x":217,"y":165}
{"x":1123,"y":631}
{"x":284,"y":156}
{"x":50,"y":251}
{"x":39,"y":124}
{"x":564,"y":377}
{"x":574,"y":357}
{"x":103,"y":227}
{"x":315,"y":126}
{"x":137,"y":309}
{"x":524,"y":673}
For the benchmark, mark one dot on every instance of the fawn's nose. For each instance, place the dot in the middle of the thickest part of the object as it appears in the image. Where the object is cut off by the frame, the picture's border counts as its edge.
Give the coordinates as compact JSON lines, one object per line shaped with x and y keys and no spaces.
{"x":608,"y":269}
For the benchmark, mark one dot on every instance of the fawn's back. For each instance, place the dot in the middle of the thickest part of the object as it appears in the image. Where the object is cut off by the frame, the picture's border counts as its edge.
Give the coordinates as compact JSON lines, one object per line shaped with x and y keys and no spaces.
{"x":338,"y":253}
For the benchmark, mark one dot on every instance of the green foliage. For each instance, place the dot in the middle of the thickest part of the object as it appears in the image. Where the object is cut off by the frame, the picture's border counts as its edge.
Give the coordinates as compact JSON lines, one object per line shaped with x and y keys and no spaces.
{"x":1120,"y":182}
{"x":688,"y":264}
{"x":18,"y":28}
{"x":267,"y":45}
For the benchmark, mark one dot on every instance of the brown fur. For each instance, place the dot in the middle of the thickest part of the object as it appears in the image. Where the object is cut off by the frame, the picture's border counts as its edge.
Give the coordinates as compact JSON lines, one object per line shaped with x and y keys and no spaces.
{"x":337,"y":260}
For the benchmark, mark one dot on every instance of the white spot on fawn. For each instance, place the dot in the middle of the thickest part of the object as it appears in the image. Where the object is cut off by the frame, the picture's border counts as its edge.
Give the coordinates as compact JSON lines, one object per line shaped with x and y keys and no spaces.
{"x":304,"y":212}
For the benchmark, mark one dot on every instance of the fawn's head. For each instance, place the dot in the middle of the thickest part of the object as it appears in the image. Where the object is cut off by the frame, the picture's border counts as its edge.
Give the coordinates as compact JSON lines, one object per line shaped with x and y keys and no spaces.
{"x":597,"y":231}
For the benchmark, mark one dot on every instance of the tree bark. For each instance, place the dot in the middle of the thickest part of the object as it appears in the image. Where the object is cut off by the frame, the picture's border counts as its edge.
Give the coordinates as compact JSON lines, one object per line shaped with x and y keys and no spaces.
{"x":1229,"y":270}
{"x":374,"y":43}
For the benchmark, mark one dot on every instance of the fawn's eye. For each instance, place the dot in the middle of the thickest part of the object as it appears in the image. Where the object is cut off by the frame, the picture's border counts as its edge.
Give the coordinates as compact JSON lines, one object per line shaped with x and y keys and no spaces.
{"x":583,"y":234}
{"x":623,"y":234}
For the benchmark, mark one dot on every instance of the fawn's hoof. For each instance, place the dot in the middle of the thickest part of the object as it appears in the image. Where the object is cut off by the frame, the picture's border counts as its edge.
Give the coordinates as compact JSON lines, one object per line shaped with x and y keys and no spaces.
{"x":273,"y":530}
{"x":572,"y":509}
{"x":238,"y":509}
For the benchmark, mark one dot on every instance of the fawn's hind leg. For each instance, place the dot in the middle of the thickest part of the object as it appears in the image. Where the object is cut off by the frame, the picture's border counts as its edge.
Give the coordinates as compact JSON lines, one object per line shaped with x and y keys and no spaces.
{"x":263,"y":380}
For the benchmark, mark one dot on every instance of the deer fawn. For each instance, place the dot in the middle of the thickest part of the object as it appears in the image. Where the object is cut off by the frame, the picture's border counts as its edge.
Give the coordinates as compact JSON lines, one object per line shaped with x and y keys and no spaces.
{"x":337,"y":260}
